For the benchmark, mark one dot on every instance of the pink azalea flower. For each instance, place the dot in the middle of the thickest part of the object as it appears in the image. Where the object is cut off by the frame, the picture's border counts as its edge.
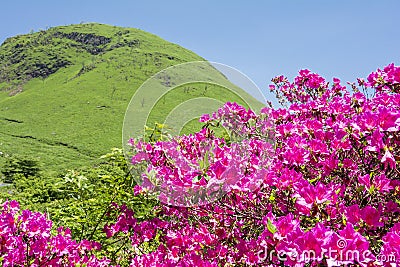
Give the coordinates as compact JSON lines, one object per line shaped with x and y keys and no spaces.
{"x":371,"y":217}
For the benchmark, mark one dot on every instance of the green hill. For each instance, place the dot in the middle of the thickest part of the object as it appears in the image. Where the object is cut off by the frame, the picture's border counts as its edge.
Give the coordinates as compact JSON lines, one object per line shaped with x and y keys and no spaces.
{"x":64,"y":91}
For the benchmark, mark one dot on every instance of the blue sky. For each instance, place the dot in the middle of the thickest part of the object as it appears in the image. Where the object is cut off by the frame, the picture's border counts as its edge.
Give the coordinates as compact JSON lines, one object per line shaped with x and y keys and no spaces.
{"x":342,"y":38}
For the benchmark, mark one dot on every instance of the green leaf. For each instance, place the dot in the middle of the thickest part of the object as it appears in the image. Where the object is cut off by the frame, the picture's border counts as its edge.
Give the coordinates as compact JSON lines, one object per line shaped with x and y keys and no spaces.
{"x":272,"y":196}
{"x":206,"y":162}
{"x":371,"y":189}
{"x":271,"y":227}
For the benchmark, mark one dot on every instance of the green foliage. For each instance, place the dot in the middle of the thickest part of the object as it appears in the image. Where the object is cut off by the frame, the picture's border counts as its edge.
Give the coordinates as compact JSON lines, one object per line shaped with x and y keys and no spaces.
{"x":16,"y":166}
{"x":157,"y":133}
{"x":34,"y":192}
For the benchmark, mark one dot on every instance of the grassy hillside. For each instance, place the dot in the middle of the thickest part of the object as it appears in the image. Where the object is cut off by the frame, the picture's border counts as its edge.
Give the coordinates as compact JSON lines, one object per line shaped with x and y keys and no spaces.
{"x":64,"y":91}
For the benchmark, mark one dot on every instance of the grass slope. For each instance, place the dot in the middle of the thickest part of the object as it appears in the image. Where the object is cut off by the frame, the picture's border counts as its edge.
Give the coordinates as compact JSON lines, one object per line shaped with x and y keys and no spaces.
{"x":64,"y":91}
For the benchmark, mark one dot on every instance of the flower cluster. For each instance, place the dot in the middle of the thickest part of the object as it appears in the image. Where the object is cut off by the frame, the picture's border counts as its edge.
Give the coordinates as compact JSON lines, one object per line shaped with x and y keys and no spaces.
{"x":26,"y":240}
{"x":196,"y":169}
{"x":387,"y":79}
{"x":327,"y":195}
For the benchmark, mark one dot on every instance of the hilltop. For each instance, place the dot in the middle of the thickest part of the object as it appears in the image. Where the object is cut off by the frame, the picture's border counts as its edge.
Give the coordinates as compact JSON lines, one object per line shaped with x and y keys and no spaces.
{"x":64,"y":91}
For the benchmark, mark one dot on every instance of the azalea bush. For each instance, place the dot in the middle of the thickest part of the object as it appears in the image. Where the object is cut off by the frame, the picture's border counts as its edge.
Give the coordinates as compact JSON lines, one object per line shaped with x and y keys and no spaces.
{"x":313,"y":184}
{"x":26,"y":239}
